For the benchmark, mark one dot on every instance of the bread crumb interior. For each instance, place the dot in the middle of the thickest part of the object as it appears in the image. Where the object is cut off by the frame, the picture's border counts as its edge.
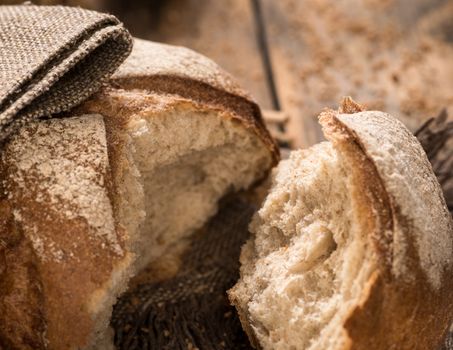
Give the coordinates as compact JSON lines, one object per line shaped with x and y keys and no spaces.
{"x":182,"y":163}
{"x":305,"y":266}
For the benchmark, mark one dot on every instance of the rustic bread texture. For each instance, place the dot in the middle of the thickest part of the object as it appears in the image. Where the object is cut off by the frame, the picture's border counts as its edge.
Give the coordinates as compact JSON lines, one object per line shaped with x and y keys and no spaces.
{"x":91,"y":198}
{"x":55,"y":177}
{"x":353,"y":247}
{"x":167,"y":69}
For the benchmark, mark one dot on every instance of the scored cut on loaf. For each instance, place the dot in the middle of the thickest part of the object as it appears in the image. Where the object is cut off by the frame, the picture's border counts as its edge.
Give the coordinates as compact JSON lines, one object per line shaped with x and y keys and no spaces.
{"x":353,"y":246}
{"x":89,"y":199}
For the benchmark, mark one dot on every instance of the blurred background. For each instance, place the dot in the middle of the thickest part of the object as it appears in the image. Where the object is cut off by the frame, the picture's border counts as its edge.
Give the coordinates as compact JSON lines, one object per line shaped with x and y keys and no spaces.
{"x":298,"y":56}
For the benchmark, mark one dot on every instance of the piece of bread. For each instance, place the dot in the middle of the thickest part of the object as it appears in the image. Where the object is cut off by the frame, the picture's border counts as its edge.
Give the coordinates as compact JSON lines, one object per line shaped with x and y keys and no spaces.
{"x":89,"y":199}
{"x":353,"y":246}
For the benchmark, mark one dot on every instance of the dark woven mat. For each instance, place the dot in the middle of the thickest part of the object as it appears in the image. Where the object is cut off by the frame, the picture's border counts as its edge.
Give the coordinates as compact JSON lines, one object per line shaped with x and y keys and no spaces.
{"x":191,"y":311}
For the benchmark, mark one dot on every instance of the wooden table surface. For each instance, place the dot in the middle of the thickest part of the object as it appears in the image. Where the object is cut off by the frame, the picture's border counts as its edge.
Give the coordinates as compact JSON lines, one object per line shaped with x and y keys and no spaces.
{"x":393,"y":55}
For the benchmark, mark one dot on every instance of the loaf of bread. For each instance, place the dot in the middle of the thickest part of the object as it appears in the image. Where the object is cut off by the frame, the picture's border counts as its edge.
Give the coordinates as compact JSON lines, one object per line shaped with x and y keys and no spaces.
{"x":88,"y":199}
{"x":353,"y":246}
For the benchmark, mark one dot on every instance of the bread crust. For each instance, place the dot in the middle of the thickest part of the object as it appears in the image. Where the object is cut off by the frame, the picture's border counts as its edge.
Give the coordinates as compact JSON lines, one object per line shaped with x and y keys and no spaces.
{"x":72,"y":247}
{"x":408,"y":302}
{"x":56,"y":310}
{"x":166,"y":69}
{"x":21,"y":314}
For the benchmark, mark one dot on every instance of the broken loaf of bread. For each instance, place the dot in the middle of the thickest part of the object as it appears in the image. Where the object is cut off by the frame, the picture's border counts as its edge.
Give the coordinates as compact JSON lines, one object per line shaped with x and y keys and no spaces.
{"x":87,"y":200}
{"x":353,"y":247}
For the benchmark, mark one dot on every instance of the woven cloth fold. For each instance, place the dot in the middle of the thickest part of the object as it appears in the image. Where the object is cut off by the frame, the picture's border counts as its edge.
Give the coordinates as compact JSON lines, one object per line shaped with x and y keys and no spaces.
{"x":54,"y":57}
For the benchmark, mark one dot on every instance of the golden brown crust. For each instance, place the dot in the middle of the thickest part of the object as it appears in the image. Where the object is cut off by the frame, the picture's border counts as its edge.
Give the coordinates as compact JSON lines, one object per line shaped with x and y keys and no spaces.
{"x":244,"y":110}
{"x":165,"y":69}
{"x":59,"y":246}
{"x":22,"y":323}
{"x":373,"y":203}
{"x":149,"y":59}
{"x":406,"y":301}
{"x":401,"y":312}
{"x":58,"y":257}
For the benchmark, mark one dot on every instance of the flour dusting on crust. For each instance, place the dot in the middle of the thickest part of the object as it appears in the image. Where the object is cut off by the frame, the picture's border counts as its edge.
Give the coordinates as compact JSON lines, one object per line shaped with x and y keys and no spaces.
{"x":408,"y":177}
{"x":148,"y":59}
{"x":66,"y":162}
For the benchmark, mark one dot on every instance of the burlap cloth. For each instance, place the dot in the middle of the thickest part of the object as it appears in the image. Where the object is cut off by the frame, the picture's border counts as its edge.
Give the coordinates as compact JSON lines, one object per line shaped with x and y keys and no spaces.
{"x":191,"y":311}
{"x":52,"y":58}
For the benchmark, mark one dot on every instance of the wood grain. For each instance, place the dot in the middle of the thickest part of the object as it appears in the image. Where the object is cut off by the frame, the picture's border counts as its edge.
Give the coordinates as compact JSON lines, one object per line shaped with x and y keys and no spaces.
{"x":392,"y":55}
